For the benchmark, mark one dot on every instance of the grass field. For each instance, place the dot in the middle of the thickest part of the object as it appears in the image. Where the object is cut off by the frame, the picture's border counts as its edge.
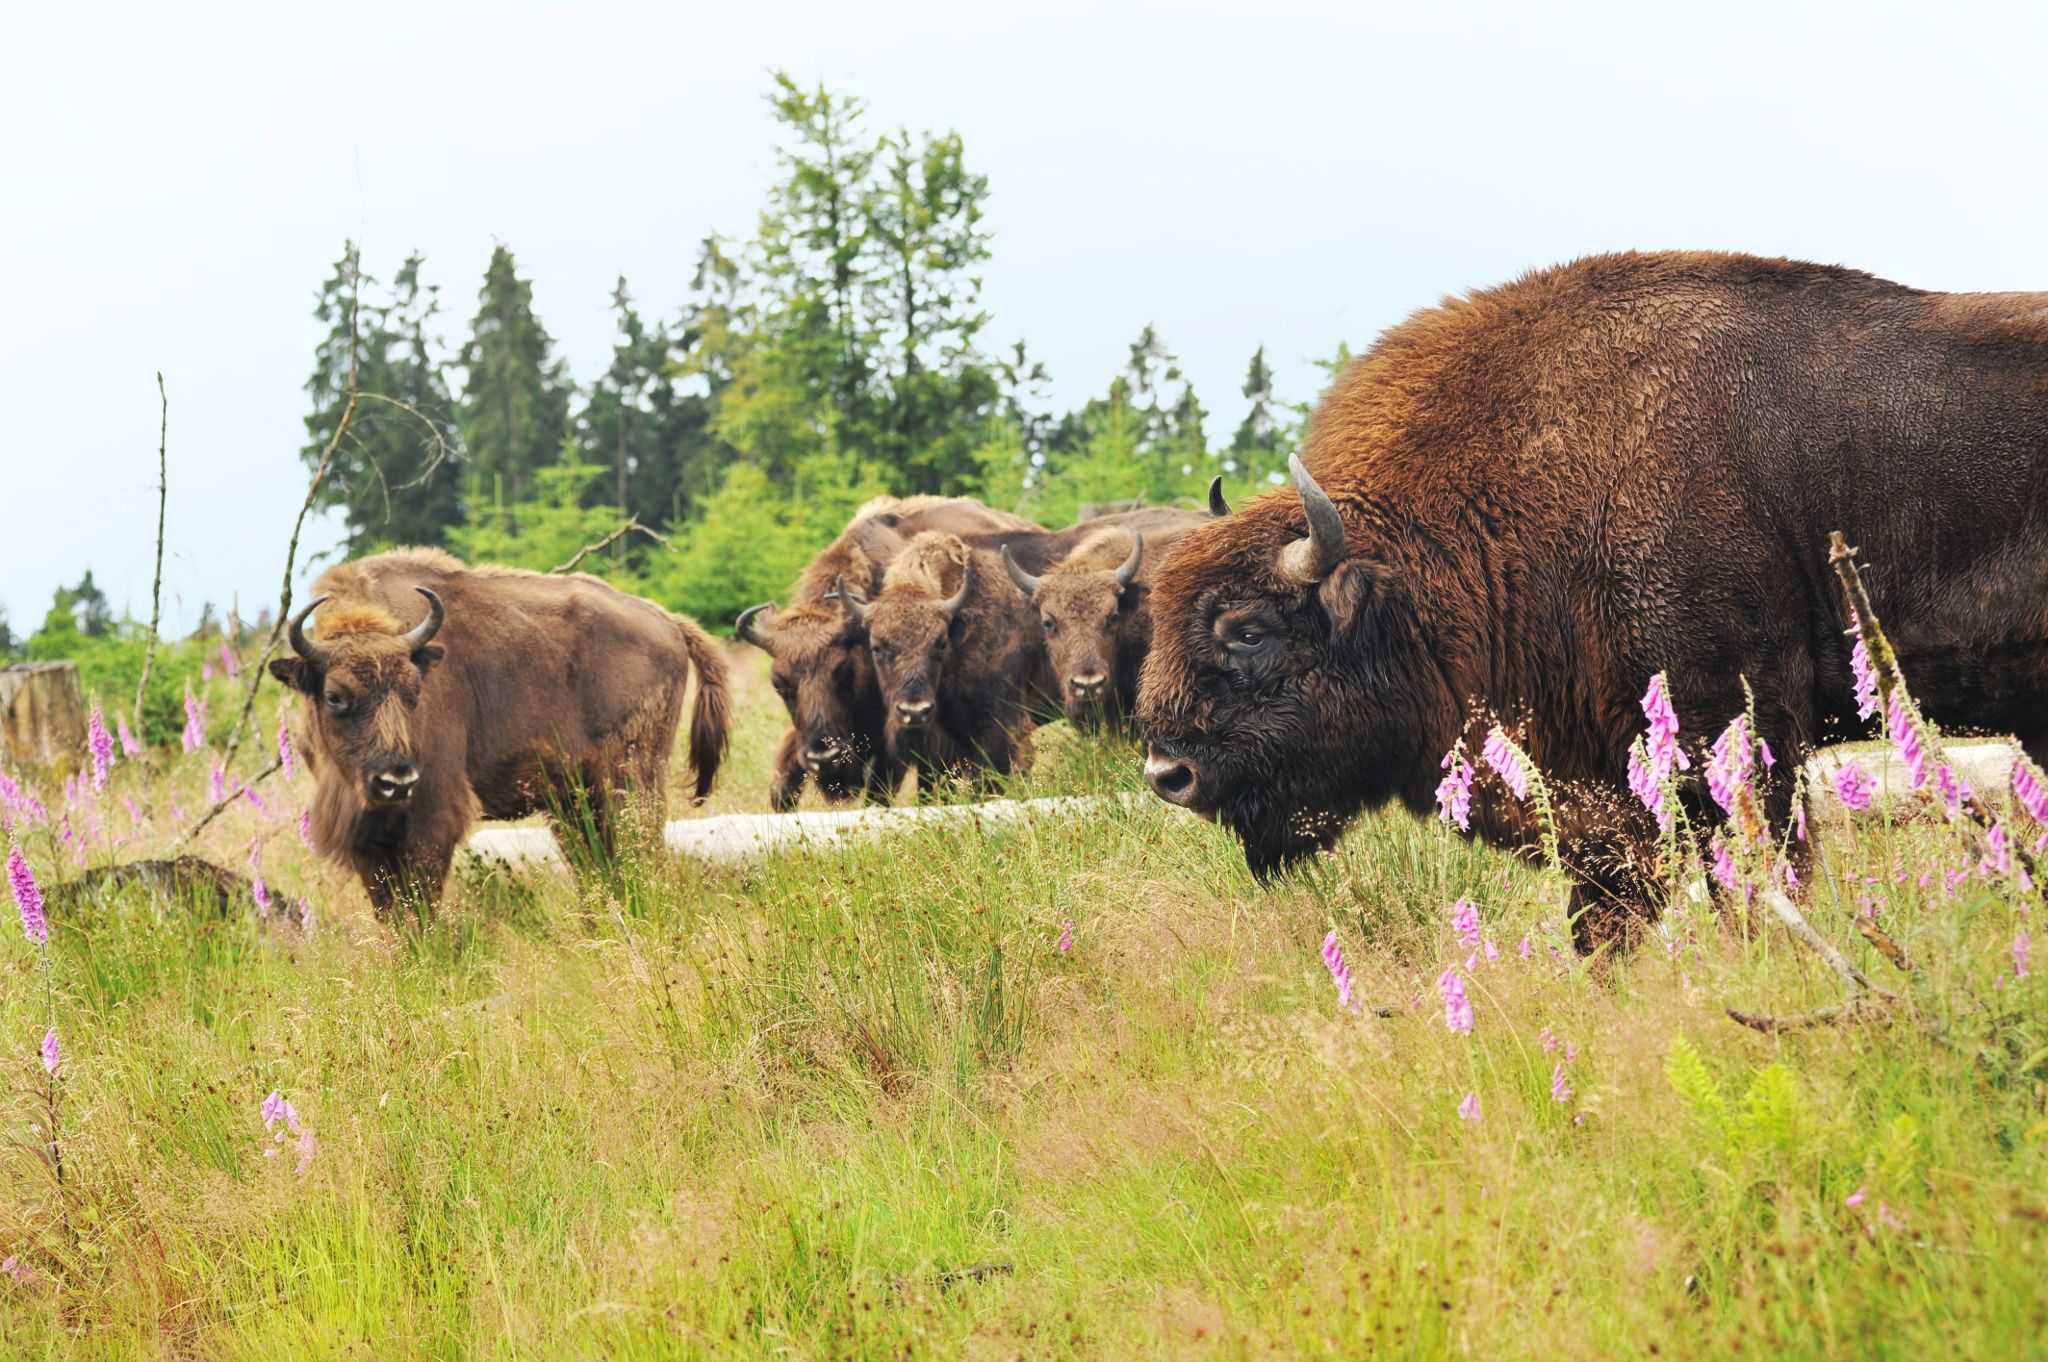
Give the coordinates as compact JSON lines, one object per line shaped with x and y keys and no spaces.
{"x":861,"y":1105}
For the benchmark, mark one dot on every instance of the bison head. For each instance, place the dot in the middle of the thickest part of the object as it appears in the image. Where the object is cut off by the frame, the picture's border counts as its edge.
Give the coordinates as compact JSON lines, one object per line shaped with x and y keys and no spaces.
{"x":1288,"y":685}
{"x":361,"y":679}
{"x":822,"y":672}
{"x":911,"y":628}
{"x":1089,"y":613}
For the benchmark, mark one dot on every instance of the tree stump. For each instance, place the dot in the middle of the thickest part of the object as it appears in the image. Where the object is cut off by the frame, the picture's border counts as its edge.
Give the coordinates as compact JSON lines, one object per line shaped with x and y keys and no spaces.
{"x":42,"y":714}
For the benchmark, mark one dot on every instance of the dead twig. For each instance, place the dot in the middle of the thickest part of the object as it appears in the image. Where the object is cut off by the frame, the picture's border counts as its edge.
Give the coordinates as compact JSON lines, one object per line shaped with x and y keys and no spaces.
{"x":1801,"y":1021}
{"x":632,"y":526}
{"x":156,"y":586}
{"x":1886,"y":946}
{"x":188,"y":834}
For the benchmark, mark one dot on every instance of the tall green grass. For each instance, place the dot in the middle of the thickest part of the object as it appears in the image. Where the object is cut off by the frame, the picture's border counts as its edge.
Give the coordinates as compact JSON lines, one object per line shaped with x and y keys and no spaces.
{"x":780,"y":1109}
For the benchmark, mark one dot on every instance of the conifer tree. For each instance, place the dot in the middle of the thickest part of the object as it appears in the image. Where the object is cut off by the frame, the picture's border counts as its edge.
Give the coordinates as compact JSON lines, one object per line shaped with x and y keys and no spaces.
{"x":515,"y":401}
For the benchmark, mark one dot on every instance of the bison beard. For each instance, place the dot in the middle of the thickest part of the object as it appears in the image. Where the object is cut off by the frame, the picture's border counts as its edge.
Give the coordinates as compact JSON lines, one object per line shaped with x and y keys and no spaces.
{"x":1527,"y":501}
{"x":519,"y":693}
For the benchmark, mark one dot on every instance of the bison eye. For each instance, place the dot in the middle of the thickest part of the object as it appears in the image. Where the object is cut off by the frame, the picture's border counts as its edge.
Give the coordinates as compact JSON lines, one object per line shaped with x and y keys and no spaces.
{"x":1052,"y":626}
{"x":337,"y":703}
{"x":1246,"y":638}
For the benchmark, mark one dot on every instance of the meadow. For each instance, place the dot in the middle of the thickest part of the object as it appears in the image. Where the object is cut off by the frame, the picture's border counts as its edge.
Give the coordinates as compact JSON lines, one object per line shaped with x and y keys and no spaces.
{"x":862,"y":1103}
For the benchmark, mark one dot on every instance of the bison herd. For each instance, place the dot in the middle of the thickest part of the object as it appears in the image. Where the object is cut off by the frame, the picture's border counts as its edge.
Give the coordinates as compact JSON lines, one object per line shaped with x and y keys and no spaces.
{"x":1517,"y":507}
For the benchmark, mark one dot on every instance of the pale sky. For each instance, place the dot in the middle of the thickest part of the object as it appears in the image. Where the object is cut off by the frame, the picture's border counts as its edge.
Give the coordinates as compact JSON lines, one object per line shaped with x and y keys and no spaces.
{"x":175,"y":182}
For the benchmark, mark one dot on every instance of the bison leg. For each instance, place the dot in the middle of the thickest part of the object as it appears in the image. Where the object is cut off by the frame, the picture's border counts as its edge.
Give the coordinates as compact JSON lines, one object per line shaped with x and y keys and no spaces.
{"x":786,"y":773}
{"x":412,"y":878}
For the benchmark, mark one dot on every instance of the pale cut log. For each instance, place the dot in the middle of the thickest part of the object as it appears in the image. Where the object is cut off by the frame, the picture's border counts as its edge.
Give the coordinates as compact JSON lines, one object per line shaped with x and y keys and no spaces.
{"x":42,"y":715}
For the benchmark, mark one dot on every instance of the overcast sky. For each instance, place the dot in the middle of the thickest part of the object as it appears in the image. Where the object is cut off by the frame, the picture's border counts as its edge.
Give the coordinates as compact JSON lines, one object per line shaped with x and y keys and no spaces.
{"x":176,"y":180}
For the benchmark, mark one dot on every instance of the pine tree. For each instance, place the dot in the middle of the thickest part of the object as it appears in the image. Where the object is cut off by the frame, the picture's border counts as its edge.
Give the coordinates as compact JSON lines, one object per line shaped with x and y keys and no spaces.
{"x":1257,"y":435}
{"x":394,"y":476}
{"x":515,"y":402}
{"x":653,"y":437}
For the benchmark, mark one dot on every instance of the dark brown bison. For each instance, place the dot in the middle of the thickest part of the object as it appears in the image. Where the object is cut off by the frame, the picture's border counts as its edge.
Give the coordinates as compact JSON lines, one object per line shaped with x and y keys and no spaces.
{"x":1526,"y":501}
{"x":821,"y":667}
{"x":960,"y":659}
{"x":436,"y":693}
{"x":1093,"y":606}
{"x":822,"y":670}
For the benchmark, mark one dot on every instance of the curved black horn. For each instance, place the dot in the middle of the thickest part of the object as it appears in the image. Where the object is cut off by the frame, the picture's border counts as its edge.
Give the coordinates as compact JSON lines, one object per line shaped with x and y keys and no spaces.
{"x":421,"y":634}
{"x":1026,"y":583}
{"x":1309,"y":560}
{"x":296,"y":632}
{"x":849,"y":602}
{"x":1129,"y":570}
{"x":743,"y":629}
{"x":959,"y":597}
{"x":1218,"y":507}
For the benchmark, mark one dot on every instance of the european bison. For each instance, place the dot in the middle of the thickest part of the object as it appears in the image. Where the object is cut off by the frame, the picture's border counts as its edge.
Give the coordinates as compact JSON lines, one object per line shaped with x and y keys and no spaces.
{"x":1093,"y":606}
{"x":960,"y":658}
{"x":1526,"y":501}
{"x":436,"y":693}
{"x":821,"y":668}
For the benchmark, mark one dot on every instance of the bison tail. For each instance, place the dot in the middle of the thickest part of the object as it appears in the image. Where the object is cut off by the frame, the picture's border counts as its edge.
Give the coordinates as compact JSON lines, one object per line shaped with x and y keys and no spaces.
{"x":711,"y":721}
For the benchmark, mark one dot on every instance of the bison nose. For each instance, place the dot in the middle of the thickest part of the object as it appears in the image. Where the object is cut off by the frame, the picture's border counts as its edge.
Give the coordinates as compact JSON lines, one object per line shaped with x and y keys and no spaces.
{"x":819,"y":753}
{"x":914,"y":713}
{"x":1173,"y":781}
{"x":1089,"y":686}
{"x":395,"y":785}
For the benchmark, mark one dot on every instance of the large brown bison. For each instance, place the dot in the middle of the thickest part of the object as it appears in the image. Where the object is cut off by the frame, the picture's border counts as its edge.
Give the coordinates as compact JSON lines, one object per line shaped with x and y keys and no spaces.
{"x":960,"y":659}
{"x":1526,"y":501}
{"x":436,"y":693}
{"x":821,"y":667}
{"x":1094,"y":608}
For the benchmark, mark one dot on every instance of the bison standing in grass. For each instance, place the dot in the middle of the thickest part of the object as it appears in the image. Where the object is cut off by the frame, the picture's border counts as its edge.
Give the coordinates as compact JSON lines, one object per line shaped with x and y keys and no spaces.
{"x":435,"y":693}
{"x":1093,"y":607}
{"x":1526,"y":501}
{"x":960,"y":660}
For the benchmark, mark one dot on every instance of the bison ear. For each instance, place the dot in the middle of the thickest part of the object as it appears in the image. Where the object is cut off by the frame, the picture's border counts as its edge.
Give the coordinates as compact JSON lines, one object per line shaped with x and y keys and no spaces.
{"x":426,"y":657}
{"x":1347,"y":594}
{"x":296,"y":673}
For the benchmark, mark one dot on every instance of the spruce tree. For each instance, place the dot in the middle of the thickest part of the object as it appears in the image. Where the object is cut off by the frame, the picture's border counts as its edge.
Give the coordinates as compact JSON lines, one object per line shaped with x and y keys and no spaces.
{"x":515,"y":401}
{"x":652,"y":437}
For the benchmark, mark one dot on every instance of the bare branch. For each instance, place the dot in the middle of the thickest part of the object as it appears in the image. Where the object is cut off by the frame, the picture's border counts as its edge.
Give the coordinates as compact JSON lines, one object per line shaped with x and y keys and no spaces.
{"x":1854,"y":980}
{"x":185,"y":837}
{"x":632,"y":526}
{"x":156,"y":587}
{"x":1800,"y":1021}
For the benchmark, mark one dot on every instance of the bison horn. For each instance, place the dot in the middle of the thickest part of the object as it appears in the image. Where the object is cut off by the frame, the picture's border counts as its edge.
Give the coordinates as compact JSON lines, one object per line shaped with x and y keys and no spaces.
{"x":852,"y":604}
{"x":1308,"y":561}
{"x":1218,"y":507}
{"x":959,"y":597}
{"x":744,"y":630}
{"x":296,"y":632}
{"x":421,"y":634}
{"x":1129,"y":570}
{"x":1026,"y":583}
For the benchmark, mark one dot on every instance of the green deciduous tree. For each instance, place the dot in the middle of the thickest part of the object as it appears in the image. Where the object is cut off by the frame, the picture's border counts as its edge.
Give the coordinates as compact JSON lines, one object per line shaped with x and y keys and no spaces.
{"x":651,"y":434}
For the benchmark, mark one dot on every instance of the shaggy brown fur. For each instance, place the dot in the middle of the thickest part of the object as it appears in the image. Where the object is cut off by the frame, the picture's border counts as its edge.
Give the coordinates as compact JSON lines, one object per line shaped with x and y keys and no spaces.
{"x":539,"y":693}
{"x":1097,"y":632}
{"x":976,"y":674}
{"x":1630,"y":464}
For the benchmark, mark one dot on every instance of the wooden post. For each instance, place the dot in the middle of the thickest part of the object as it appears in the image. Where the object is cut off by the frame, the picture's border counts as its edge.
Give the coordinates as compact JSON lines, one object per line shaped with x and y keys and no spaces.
{"x":42,"y":714}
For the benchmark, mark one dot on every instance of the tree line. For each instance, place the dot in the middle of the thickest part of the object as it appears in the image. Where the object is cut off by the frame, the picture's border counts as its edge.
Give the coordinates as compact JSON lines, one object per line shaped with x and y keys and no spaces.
{"x":838,"y":352}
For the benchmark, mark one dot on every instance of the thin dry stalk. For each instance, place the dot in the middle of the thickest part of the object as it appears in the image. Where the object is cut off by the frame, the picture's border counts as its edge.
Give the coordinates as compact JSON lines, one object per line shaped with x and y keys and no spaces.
{"x":185,"y":837}
{"x":632,"y":526}
{"x":156,"y":586}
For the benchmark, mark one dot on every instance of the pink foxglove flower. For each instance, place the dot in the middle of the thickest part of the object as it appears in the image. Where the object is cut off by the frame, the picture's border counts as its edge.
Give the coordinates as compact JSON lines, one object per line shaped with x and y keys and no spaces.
{"x":306,"y":829}
{"x":228,"y":661}
{"x":1729,"y":767}
{"x":1953,"y":789}
{"x":1547,"y":1038}
{"x":1523,"y":950}
{"x":134,"y":811}
{"x":1492,"y":955}
{"x":1998,"y":851}
{"x":1724,"y":864}
{"x":1468,"y":1110}
{"x":1500,"y":754}
{"x":1559,"y":1089}
{"x":1855,"y":1198}
{"x":1465,"y":922}
{"x":1454,"y":791}
{"x":11,"y":1266}
{"x":1457,"y":1006}
{"x":273,"y":1109}
{"x":2029,"y":791}
{"x":1799,"y":818}
{"x":195,"y":721}
{"x":305,"y":914}
{"x":287,"y":756}
{"x":1905,"y":731}
{"x":220,"y":781}
{"x":1340,"y":973}
{"x":1647,"y":785}
{"x":100,"y":743}
{"x":1065,"y":943}
{"x":1763,"y":751}
{"x":1663,"y":749}
{"x":1865,"y":674}
{"x":129,"y":744}
{"x":28,"y":897}
{"x":50,"y":1055}
{"x":2022,"y":954}
{"x":1854,"y":787}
